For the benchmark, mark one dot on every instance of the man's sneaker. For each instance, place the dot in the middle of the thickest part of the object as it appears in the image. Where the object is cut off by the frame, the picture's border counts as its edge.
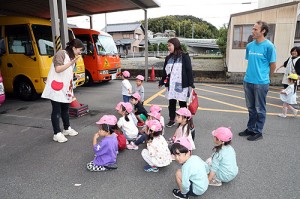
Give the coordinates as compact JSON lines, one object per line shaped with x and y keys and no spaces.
{"x":255,"y":137}
{"x":70,"y":132}
{"x":149,"y":168}
{"x":295,"y":112}
{"x":246,"y":133}
{"x":215,"y":182}
{"x":177,"y":193}
{"x":132,"y":146}
{"x":170,"y":123}
{"x":282,"y":115}
{"x":59,"y":137}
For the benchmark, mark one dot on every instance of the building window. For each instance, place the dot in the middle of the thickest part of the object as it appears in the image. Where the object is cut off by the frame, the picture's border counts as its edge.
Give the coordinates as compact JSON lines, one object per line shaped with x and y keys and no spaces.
{"x":242,"y":35}
{"x":126,"y":36}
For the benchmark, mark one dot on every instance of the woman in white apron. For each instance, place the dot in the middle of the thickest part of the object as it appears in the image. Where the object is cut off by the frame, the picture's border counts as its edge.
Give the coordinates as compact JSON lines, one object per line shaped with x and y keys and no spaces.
{"x":59,"y":88}
{"x":292,"y":65}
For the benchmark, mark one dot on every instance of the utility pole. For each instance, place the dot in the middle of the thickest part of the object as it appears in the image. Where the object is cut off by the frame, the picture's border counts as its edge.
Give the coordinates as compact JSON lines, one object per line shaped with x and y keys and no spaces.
{"x":179,"y":30}
{"x":193,"y":30}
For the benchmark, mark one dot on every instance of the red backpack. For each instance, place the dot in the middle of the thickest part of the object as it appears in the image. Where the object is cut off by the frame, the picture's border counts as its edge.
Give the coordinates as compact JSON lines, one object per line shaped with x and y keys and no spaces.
{"x":121,"y":140}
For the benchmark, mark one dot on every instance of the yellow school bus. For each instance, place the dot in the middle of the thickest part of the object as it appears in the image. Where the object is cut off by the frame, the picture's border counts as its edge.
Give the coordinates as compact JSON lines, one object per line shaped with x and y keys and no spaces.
{"x":27,"y":56}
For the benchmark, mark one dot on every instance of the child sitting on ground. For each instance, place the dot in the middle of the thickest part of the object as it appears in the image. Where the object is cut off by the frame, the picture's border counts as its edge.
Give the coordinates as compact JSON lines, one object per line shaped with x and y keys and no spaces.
{"x":191,"y":179}
{"x":223,"y":166}
{"x":143,"y":135}
{"x":106,"y":150}
{"x":184,"y":120}
{"x":131,"y":114}
{"x":139,"y":88}
{"x":157,"y":153}
{"x":156,"y":108}
{"x":139,"y":110}
{"x":289,"y":96}
{"x":126,"y":123}
{"x":126,"y":86}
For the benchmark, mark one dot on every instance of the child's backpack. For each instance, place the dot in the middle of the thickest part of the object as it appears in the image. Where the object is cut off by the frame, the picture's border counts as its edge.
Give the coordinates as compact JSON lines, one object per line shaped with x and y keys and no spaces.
{"x":121,"y":140}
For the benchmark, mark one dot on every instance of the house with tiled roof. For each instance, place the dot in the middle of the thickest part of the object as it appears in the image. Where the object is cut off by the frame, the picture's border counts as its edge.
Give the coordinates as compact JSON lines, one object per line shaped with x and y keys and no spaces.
{"x":129,"y":37}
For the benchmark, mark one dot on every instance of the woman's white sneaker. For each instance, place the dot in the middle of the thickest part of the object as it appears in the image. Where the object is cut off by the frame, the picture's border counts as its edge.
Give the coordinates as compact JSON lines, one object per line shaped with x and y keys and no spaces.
{"x":70,"y":132}
{"x":59,"y":137}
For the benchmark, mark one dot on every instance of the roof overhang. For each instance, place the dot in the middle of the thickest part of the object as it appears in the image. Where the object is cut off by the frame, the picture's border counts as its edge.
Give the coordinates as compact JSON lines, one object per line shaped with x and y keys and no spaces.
{"x":40,"y":8}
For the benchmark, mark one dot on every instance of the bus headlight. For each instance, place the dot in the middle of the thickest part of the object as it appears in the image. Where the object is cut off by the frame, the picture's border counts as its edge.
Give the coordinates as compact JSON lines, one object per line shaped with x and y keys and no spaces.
{"x":103,"y":72}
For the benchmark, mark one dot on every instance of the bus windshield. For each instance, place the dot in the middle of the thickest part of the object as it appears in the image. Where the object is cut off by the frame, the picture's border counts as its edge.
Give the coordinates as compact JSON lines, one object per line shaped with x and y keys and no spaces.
{"x":43,"y":37}
{"x":105,"y":45}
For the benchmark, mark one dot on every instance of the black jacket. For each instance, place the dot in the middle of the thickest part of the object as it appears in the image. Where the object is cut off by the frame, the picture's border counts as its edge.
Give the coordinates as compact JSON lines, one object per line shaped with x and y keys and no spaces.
{"x":187,"y":72}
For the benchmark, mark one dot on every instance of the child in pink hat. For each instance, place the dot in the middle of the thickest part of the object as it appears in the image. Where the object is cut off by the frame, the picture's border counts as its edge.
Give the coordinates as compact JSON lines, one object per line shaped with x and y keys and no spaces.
{"x":192,"y":178}
{"x":157,"y":153}
{"x":126,"y":122}
{"x":185,"y":126}
{"x":139,"y":110}
{"x":126,"y":86}
{"x":139,"y":88}
{"x":157,"y":109}
{"x":106,"y":149}
{"x":223,"y":166}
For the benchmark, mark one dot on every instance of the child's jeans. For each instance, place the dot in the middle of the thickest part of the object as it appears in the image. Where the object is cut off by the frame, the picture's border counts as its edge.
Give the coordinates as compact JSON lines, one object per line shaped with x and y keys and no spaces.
{"x":126,"y":98}
{"x":142,"y":137}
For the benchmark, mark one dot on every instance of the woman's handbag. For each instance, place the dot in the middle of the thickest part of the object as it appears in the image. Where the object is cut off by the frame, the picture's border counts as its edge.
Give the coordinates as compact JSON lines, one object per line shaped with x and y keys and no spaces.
{"x":193,"y":102}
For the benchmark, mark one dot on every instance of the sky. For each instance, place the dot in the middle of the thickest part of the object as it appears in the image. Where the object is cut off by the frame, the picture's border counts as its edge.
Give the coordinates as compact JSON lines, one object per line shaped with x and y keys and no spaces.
{"x":216,"y":12}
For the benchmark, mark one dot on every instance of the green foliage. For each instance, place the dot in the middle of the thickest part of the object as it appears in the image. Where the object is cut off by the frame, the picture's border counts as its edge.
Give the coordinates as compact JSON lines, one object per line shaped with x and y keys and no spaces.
{"x":183,"y":25}
{"x":222,"y":39}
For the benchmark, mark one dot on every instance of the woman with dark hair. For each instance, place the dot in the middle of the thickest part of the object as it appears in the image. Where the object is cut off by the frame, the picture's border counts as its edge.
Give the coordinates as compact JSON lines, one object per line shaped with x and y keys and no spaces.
{"x":59,"y":88}
{"x":292,"y":65}
{"x":177,"y":77}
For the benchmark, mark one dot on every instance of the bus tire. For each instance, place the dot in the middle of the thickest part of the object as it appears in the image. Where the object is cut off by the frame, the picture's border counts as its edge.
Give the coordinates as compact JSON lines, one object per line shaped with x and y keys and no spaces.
{"x":24,"y":89}
{"x":88,"y":79}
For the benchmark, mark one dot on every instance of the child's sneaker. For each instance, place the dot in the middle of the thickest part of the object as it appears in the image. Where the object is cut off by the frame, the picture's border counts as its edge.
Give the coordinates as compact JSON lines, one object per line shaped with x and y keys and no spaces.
{"x":132,"y":146}
{"x":215,"y":182}
{"x":70,"y":132}
{"x":295,"y":112}
{"x":281,"y":115}
{"x":177,"y":193}
{"x":149,"y":168}
{"x":140,"y":124}
{"x":59,"y":137}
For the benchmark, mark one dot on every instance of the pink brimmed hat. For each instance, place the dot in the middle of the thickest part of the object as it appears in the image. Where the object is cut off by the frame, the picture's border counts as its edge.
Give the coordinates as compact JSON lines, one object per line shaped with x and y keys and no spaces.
{"x":127,"y":106}
{"x":155,"y":108}
{"x":156,"y":115}
{"x":154,"y":125}
{"x":126,"y":73}
{"x":223,"y":134}
{"x":108,"y":119}
{"x":137,"y":96}
{"x":183,"y":141}
{"x":184,"y":112}
{"x":140,"y":77}
{"x":119,"y":105}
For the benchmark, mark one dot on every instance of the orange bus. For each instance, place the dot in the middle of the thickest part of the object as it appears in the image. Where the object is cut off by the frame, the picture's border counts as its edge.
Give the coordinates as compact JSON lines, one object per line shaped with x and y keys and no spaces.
{"x":101,"y":59}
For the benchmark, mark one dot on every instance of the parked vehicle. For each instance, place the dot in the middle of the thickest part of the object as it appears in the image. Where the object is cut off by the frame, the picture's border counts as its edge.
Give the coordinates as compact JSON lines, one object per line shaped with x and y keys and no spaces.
{"x":27,"y":55}
{"x":101,"y":59}
{"x":2,"y":93}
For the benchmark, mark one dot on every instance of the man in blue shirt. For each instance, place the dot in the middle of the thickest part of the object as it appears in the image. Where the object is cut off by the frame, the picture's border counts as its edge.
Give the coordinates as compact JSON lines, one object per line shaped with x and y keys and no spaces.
{"x":261,"y":56}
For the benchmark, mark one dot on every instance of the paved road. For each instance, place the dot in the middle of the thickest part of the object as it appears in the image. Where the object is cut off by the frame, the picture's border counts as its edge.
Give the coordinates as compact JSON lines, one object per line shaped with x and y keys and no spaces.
{"x":33,"y":166}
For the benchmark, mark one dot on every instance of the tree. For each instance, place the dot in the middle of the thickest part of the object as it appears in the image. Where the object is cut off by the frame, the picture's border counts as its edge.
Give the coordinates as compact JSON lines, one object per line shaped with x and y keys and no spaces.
{"x":222,"y":39}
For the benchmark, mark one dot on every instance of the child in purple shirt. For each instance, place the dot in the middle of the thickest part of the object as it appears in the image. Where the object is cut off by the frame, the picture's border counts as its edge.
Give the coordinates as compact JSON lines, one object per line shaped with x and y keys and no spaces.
{"x":105,"y":150}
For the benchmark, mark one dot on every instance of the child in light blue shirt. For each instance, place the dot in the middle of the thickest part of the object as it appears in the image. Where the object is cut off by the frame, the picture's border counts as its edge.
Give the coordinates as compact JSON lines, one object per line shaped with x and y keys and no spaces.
{"x":223,"y":166}
{"x":192,"y":178}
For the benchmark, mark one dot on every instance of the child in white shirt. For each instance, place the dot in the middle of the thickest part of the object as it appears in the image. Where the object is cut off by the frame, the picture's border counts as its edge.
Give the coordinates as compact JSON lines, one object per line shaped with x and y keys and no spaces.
{"x":126,"y":86}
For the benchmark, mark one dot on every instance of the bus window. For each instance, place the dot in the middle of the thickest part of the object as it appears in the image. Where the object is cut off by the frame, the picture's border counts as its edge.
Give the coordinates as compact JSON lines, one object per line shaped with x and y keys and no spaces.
{"x":105,"y":45}
{"x":86,"y":40}
{"x":17,"y":36}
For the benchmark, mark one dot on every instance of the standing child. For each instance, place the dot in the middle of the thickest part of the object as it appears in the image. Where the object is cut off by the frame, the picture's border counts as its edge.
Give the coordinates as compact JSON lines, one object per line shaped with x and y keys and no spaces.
{"x":191,"y":179}
{"x":157,"y":153}
{"x":126,"y":123}
{"x":139,"y":88}
{"x":185,"y":124}
{"x":289,"y":96}
{"x":126,"y":86}
{"x":106,"y":149}
{"x":223,"y":166}
{"x":139,"y":110}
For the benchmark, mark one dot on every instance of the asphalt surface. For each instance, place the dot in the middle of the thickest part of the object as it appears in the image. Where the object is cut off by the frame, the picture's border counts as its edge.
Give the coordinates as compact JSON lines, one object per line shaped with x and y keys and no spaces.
{"x":34,"y":166}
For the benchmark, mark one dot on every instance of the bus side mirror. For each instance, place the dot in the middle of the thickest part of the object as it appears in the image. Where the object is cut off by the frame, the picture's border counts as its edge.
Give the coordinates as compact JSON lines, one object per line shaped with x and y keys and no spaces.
{"x":28,"y":49}
{"x":2,"y":47}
